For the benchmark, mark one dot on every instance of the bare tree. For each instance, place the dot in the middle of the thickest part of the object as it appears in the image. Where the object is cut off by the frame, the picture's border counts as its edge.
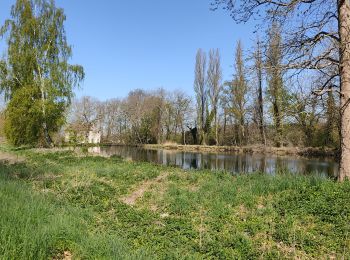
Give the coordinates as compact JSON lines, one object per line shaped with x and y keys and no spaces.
{"x":168,"y":118}
{"x":181,"y":108}
{"x":86,"y":114}
{"x":111,"y":114}
{"x":214,"y":85}
{"x":139,"y":110}
{"x":318,"y":37}
{"x":307,"y":113}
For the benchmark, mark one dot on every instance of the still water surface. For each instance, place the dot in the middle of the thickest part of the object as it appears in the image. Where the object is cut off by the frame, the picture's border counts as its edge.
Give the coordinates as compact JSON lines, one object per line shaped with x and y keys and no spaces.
{"x":231,"y":162}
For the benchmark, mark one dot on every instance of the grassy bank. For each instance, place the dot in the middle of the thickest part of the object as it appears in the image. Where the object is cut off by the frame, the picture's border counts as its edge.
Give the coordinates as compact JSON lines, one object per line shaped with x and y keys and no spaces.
{"x":56,"y":204}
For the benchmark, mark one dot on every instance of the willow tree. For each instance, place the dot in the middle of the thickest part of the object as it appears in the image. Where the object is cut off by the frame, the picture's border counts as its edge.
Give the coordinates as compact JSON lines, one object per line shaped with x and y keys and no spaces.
{"x":35,"y":76}
{"x":317,"y":38}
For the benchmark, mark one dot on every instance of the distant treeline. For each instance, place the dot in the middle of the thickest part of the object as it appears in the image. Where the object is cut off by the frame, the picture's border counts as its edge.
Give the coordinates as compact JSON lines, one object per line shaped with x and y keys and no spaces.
{"x":159,"y":116}
{"x":262,"y":103}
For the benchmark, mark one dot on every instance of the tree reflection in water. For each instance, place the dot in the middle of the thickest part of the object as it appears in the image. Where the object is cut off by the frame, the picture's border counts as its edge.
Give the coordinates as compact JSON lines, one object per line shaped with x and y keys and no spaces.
{"x":230,"y":162}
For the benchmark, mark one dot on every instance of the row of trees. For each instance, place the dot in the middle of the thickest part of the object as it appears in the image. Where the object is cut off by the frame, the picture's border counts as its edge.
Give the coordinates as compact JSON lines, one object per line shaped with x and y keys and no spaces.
{"x":316,"y":40}
{"x":140,"y":118}
{"x":261,"y":104}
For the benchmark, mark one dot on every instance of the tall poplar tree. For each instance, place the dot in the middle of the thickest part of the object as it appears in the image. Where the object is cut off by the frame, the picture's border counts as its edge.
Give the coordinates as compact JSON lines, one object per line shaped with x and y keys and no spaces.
{"x":36,"y":77}
{"x":201,"y":90}
{"x":236,"y":95}
{"x":214,"y":86}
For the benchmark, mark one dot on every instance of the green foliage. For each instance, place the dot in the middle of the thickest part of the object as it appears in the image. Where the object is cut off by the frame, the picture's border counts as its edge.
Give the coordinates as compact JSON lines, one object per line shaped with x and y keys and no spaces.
{"x":207,"y":125}
{"x":36,"y":71}
{"x":24,"y":117}
{"x":145,"y":131}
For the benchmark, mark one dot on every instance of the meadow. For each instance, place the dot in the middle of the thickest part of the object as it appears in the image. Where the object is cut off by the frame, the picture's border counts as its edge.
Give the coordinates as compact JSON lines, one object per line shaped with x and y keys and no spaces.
{"x":63,"y":205}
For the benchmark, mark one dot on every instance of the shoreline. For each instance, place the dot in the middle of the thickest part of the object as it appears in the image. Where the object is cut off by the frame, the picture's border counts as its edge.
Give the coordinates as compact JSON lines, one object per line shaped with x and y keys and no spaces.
{"x":270,"y":150}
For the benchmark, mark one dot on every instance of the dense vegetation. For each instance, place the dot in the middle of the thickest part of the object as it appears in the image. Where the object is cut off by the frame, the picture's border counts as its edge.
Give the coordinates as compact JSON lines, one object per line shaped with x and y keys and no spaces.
{"x":59,"y":203}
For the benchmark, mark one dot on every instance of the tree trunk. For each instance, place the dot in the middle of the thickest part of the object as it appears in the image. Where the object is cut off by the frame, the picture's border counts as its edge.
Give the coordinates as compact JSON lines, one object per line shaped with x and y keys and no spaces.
{"x":344,"y":33}
{"x":261,"y":112}
{"x":260,"y":94}
{"x":48,"y":140}
{"x":216,"y":128}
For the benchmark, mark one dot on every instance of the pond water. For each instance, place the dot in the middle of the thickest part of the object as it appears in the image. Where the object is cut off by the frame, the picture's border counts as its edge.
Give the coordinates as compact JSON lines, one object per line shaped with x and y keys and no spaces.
{"x":231,"y":162}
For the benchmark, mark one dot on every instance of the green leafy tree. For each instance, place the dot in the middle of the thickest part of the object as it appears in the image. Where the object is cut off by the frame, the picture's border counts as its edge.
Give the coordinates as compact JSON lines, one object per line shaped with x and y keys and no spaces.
{"x":36,"y":77}
{"x":332,"y":121}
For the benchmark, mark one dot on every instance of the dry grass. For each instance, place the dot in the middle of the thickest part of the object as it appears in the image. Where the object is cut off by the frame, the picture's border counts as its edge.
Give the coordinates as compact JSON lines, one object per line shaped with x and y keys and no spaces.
{"x":10,"y":158}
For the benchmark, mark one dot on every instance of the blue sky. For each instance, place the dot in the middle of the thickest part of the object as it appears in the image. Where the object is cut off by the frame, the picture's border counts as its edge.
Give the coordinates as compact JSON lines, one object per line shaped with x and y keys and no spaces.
{"x":125,"y":45}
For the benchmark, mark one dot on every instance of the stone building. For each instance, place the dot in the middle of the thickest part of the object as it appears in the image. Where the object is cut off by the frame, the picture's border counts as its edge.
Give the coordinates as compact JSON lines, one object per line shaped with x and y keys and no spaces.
{"x":82,"y":135}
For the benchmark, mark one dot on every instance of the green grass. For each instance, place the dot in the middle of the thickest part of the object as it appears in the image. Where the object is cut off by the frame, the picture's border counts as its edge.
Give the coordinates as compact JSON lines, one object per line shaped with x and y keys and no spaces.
{"x":57,"y":202}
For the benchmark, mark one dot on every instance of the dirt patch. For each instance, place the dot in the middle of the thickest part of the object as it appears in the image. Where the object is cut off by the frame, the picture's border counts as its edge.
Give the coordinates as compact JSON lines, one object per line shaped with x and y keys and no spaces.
{"x":10,"y":158}
{"x":145,"y":186}
{"x":193,"y":188}
{"x":50,"y":150}
{"x":66,"y":255}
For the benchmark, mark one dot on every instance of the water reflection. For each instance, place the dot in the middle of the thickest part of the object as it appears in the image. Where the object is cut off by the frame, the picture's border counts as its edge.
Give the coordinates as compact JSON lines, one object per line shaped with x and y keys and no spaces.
{"x":235,"y":163}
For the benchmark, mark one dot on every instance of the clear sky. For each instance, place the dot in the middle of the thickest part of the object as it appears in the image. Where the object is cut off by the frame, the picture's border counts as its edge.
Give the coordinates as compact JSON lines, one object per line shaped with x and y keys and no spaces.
{"x":124,"y":45}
